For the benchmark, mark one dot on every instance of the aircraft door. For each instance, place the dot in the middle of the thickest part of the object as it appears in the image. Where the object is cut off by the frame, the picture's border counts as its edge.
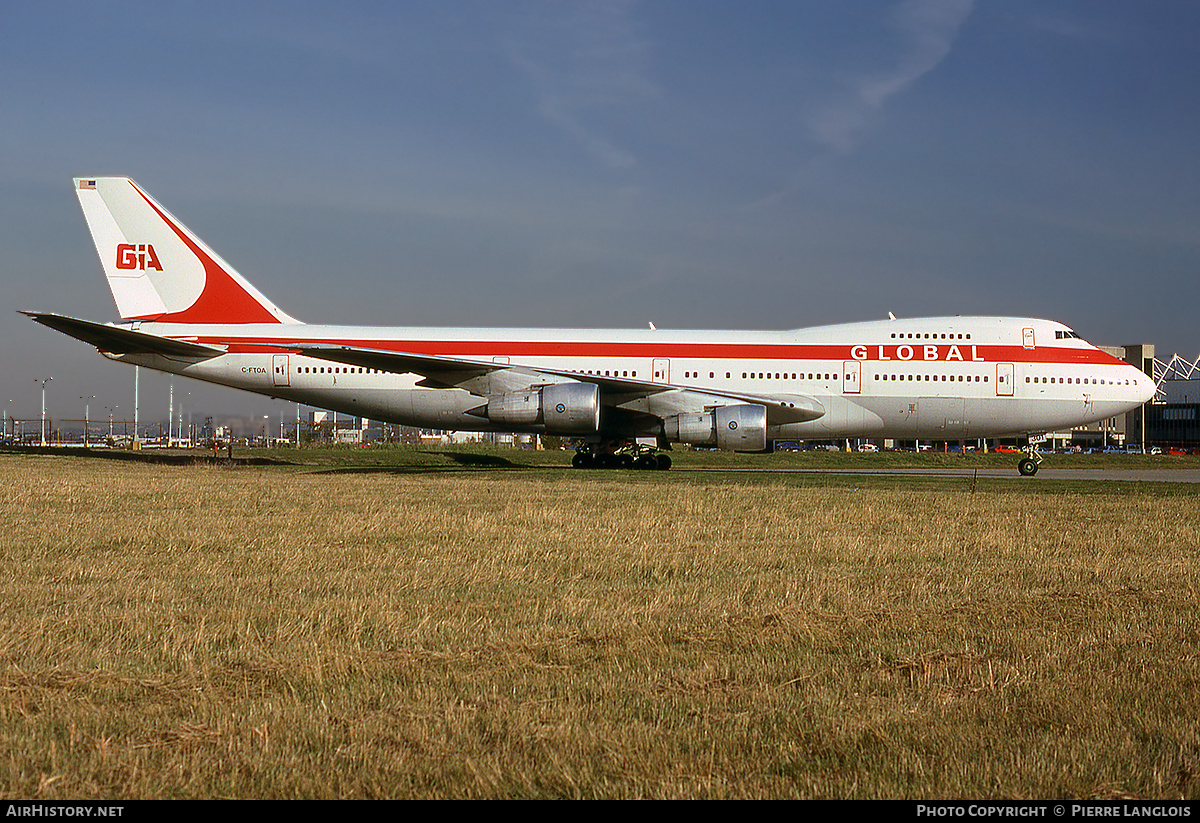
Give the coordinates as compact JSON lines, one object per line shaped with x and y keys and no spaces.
{"x":1027,"y":339}
{"x":851,"y":377}
{"x":1005,"y":379}
{"x":279,"y":365}
{"x":660,"y":371}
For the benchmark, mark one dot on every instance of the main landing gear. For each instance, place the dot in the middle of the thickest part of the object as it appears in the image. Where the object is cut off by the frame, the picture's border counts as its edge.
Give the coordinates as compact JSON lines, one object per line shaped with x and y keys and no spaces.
{"x":629,"y":456}
{"x":1028,"y":465}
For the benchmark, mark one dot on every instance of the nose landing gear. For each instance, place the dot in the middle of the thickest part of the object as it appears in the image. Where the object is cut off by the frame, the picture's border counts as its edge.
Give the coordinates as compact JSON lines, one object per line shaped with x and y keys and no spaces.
{"x":1028,"y":465}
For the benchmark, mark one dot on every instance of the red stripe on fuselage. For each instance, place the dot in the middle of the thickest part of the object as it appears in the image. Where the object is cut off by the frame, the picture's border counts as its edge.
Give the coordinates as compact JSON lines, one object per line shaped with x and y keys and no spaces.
{"x":486,"y":350}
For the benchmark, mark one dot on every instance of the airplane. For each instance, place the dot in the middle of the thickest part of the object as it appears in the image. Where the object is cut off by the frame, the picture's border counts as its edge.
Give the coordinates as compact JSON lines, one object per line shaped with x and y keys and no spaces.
{"x":624,"y":395}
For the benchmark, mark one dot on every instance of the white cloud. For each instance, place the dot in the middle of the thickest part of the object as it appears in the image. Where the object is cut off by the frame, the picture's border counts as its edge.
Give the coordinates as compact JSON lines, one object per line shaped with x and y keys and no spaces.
{"x":925,"y":31}
{"x":583,"y":59}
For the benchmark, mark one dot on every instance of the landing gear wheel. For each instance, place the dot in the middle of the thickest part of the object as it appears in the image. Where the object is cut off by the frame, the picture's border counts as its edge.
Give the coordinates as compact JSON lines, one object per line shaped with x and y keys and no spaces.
{"x":646,"y":461}
{"x":617,"y":456}
{"x":1027,"y":467}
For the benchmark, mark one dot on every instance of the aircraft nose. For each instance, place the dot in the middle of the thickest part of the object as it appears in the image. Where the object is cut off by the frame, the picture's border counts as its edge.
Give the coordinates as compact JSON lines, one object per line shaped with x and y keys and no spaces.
{"x":1145,"y":389}
{"x":1141,"y":386}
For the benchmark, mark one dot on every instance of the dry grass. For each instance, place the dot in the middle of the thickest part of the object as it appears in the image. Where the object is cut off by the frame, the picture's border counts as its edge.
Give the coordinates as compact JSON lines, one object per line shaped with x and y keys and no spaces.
{"x":204,"y":632}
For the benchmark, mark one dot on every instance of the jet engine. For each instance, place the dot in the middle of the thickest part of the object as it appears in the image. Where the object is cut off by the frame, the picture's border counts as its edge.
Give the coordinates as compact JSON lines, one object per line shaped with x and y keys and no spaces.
{"x":741,"y":427}
{"x":564,"y":408}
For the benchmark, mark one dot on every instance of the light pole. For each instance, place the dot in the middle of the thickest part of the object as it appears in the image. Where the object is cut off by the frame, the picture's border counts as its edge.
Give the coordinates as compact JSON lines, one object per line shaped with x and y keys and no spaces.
{"x":87,"y":399}
{"x":136,"y":443}
{"x":43,"y":382}
{"x":110,"y":410}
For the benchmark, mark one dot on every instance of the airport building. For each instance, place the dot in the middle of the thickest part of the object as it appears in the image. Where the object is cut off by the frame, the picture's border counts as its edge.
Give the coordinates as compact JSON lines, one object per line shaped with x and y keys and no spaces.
{"x":1172,"y":421}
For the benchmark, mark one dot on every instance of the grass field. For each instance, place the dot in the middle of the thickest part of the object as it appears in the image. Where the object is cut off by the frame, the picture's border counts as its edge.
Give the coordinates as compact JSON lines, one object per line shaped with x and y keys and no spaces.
{"x":438,"y":626}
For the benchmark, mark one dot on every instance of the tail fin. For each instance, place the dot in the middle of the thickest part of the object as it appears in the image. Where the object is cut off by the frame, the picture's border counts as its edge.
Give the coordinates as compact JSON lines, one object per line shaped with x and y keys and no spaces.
{"x":157,"y":269}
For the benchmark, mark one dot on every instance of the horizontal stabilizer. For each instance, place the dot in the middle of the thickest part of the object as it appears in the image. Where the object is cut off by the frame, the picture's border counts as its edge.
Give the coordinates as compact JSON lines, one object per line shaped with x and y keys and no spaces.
{"x":115,"y":340}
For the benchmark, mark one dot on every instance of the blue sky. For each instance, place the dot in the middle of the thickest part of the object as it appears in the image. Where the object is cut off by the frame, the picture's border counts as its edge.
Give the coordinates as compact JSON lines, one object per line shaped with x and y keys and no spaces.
{"x":697,"y":164}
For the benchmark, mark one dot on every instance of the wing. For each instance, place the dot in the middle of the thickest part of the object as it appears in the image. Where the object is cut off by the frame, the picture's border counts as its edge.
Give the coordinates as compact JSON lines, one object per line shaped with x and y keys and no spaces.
{"x":117,"y":340}
{"x":438,"y":372}
{"x":639,"y":396}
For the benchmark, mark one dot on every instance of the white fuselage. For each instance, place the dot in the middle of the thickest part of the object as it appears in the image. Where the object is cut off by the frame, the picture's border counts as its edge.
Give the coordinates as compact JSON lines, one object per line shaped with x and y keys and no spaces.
{"x":932,"y":378}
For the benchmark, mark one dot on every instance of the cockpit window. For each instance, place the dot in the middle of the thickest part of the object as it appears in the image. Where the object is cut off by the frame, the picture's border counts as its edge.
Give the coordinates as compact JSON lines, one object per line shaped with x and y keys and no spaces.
{"x":1061,"y":334}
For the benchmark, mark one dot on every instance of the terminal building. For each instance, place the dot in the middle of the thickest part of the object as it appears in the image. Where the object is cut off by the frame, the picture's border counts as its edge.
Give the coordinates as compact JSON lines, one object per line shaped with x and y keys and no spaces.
{"x":1172,"y":419}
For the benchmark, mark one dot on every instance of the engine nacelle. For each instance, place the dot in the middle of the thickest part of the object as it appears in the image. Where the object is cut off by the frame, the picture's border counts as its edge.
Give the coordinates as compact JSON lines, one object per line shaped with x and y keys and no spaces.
{"x":563,"y":408}
{"x":741,"y":428}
